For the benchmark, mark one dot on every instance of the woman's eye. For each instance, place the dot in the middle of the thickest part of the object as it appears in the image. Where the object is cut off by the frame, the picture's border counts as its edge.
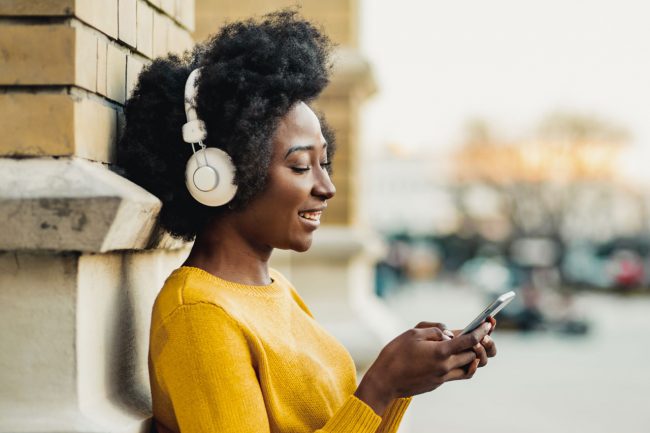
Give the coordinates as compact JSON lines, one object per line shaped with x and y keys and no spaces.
{"x":300,"y":169}
{"x":326,"y":164}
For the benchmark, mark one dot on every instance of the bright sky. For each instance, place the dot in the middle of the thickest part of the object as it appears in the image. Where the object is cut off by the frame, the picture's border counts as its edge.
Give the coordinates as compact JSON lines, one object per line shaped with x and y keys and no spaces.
{"x":440,"y":63}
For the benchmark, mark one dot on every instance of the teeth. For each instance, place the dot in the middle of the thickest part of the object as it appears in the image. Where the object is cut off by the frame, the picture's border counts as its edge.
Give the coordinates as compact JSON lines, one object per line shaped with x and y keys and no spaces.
{"x":313,"y":216}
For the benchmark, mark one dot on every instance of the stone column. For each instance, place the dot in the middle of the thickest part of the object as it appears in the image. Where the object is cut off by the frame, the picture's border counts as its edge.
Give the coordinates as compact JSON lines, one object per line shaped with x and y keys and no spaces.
{"x":81,"y":258}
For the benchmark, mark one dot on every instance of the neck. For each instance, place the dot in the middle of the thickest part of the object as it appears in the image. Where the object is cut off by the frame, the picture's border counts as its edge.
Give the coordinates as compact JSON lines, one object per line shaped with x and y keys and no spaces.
{"x":222,"y":251}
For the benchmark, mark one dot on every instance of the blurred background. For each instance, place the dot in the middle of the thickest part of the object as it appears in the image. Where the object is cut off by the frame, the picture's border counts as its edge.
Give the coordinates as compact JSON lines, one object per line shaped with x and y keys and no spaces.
{"x":482,"y":147}
{"x":506,"y":149}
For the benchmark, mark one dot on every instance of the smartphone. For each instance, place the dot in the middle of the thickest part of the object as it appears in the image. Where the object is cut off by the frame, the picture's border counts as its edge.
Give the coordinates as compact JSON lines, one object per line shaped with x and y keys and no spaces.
{"x":491,"y":310}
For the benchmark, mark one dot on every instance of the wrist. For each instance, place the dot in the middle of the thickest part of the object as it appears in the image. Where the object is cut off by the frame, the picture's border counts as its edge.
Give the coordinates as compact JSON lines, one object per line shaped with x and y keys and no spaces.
{"x":373,"y":392}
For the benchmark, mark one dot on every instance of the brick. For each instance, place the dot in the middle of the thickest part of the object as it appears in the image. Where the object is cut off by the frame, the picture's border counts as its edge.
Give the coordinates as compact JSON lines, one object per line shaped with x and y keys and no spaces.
{"x":95,"y":130}
{"x":133,"y":69}
{"x":160,"y":34}
{"x":86,"y":60}
{"x":168,"y":6}
{"x":36,"y":7}
{"x":116,"y":74}
{"x":102,"y":48}
{"x":53,"y":113}
{"x":48,"y":55}
{"x":66,"y":126}
{"x":178,"y":39}
{"x":37,"y":54}
{"x":101,"y":14}
{"x":144,"y":29}
{"x":127,"y":30}
{"x":185,"y":13}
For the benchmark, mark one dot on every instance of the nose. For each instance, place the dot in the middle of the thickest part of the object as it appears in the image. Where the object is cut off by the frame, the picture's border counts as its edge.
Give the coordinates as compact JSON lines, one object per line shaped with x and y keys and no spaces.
{"x":323,"y":186}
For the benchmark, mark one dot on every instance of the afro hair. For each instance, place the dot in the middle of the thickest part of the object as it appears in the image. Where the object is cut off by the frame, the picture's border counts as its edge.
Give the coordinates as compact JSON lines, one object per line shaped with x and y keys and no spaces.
{"x":252,"y":73}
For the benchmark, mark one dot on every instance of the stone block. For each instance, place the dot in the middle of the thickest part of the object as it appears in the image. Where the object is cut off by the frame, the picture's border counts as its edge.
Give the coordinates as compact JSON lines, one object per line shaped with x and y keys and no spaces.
{"x":54,"y":115}
{"x":102,"y":48}
{"x":161,"y":25}
{"x":127,"y":28}
{"x":168,"y":6}
{"x":101,"y":14}
{"x":37,"y":304}
{"x":66,"y":126}
{"x":74,"y":329}
{"x":36,"y":7}
{"x":85,"y":60}
{"x":133,"y":69}
{"x":37,"y":54}
{"x":185,"y":14}
{"x":95,"y":129}
{"x":178,"y":39}
{"x":48,"y":55}
{"x":145,"y":28}
{"x":72,"y":205}
{"x":116,"y":74}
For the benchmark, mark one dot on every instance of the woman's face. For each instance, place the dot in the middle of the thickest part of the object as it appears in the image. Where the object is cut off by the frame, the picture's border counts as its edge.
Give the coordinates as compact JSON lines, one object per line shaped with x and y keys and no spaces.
{"x":288,"y":211}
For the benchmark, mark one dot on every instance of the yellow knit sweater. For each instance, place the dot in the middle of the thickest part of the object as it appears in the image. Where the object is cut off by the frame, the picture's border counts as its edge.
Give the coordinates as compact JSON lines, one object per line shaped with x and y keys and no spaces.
{"x":226,"y":357}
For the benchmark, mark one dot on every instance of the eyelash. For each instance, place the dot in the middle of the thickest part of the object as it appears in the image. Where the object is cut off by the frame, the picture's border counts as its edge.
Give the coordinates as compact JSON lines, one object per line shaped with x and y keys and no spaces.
{"x":324,"y":165}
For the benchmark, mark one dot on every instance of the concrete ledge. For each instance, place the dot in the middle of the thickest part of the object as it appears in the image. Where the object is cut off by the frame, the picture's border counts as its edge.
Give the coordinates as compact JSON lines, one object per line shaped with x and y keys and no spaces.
{"x":73,"y":205}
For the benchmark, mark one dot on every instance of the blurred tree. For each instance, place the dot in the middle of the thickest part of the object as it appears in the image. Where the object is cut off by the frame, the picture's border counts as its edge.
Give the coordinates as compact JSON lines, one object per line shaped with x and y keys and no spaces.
{"x":560,"y":184}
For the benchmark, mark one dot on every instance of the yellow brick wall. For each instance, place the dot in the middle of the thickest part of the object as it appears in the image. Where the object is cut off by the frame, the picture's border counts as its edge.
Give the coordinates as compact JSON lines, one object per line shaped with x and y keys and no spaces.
{"x":69,"y":65}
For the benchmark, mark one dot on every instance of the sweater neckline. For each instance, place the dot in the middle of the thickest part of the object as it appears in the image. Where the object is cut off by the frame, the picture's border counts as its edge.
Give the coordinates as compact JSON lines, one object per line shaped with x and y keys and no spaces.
{"x":273,"y":289}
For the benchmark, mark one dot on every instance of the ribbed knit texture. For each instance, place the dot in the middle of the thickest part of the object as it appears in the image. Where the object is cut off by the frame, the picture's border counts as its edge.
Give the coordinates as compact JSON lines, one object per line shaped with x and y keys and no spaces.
{"x":227,"y":357}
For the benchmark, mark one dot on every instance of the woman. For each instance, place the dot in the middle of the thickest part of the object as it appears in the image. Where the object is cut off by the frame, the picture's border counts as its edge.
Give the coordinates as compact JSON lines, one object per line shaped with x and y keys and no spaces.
{"x":233,"y":347}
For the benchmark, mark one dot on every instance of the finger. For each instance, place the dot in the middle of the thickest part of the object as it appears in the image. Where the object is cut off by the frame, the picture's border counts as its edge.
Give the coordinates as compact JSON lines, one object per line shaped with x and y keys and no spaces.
{"x":472,"y":368}
{"x":461,"y":373}
{"x":461,"y":359}
{"x":481,"y":354}
{"x":467,"y":341}
{"x":455,"y":374}
{"x":493,"y":322}
{"x":490,"y":347}
{"x":433,"y":334}
{"x":438,"y":325}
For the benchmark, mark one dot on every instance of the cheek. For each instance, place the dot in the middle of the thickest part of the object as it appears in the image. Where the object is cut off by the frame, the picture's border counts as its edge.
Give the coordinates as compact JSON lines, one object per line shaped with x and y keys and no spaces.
{"x":289,"y":191}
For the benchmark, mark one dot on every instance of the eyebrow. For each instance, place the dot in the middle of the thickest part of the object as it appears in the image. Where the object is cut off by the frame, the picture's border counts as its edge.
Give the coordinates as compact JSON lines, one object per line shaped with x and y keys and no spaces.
{"x":301,"y":148}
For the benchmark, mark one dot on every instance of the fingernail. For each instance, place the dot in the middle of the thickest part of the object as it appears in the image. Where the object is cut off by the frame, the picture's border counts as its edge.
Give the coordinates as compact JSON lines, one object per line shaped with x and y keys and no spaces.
{"x":448,"y":333}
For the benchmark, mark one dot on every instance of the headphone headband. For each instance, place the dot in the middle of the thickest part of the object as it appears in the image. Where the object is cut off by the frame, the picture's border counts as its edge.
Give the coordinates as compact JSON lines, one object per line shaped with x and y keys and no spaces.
{"x":194,"y":130}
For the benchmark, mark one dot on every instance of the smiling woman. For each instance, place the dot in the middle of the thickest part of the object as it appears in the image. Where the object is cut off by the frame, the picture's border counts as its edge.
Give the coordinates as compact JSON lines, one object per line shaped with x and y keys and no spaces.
{"x":233,"y":348}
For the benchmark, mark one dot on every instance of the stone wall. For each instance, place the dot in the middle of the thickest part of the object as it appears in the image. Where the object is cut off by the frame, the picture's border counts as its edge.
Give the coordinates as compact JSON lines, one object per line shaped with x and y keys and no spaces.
{"x":81,"y":257}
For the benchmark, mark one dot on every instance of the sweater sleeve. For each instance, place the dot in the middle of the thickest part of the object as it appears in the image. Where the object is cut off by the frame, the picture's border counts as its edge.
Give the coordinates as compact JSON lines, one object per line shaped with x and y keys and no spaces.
{"x":202,"y":360}
{"x":393,"y":415}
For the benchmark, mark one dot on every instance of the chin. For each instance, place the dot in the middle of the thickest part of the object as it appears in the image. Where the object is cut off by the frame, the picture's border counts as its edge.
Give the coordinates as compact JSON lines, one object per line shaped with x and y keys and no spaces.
{"x":302,"y":246}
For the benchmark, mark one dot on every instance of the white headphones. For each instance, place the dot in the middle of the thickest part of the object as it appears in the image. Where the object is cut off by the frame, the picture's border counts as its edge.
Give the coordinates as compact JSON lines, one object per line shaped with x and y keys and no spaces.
{"x":210,"y":173}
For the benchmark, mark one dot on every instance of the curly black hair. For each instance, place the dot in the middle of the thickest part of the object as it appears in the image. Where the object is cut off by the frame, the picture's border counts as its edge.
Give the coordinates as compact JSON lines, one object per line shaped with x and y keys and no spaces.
{"x":252,"y":73}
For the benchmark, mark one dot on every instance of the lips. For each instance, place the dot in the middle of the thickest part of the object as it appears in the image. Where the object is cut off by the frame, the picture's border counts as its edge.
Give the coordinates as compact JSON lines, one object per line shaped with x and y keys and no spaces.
{"x":311,"y":215}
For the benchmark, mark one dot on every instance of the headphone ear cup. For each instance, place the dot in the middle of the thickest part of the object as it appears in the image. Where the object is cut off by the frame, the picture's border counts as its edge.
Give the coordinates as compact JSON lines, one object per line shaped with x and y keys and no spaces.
{"x":210,"y":177}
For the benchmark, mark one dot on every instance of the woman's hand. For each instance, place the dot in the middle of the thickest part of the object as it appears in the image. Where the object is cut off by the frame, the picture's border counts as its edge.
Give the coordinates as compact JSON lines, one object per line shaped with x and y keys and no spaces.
{"x":418,"y":361}
{"x":486,"y":349}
